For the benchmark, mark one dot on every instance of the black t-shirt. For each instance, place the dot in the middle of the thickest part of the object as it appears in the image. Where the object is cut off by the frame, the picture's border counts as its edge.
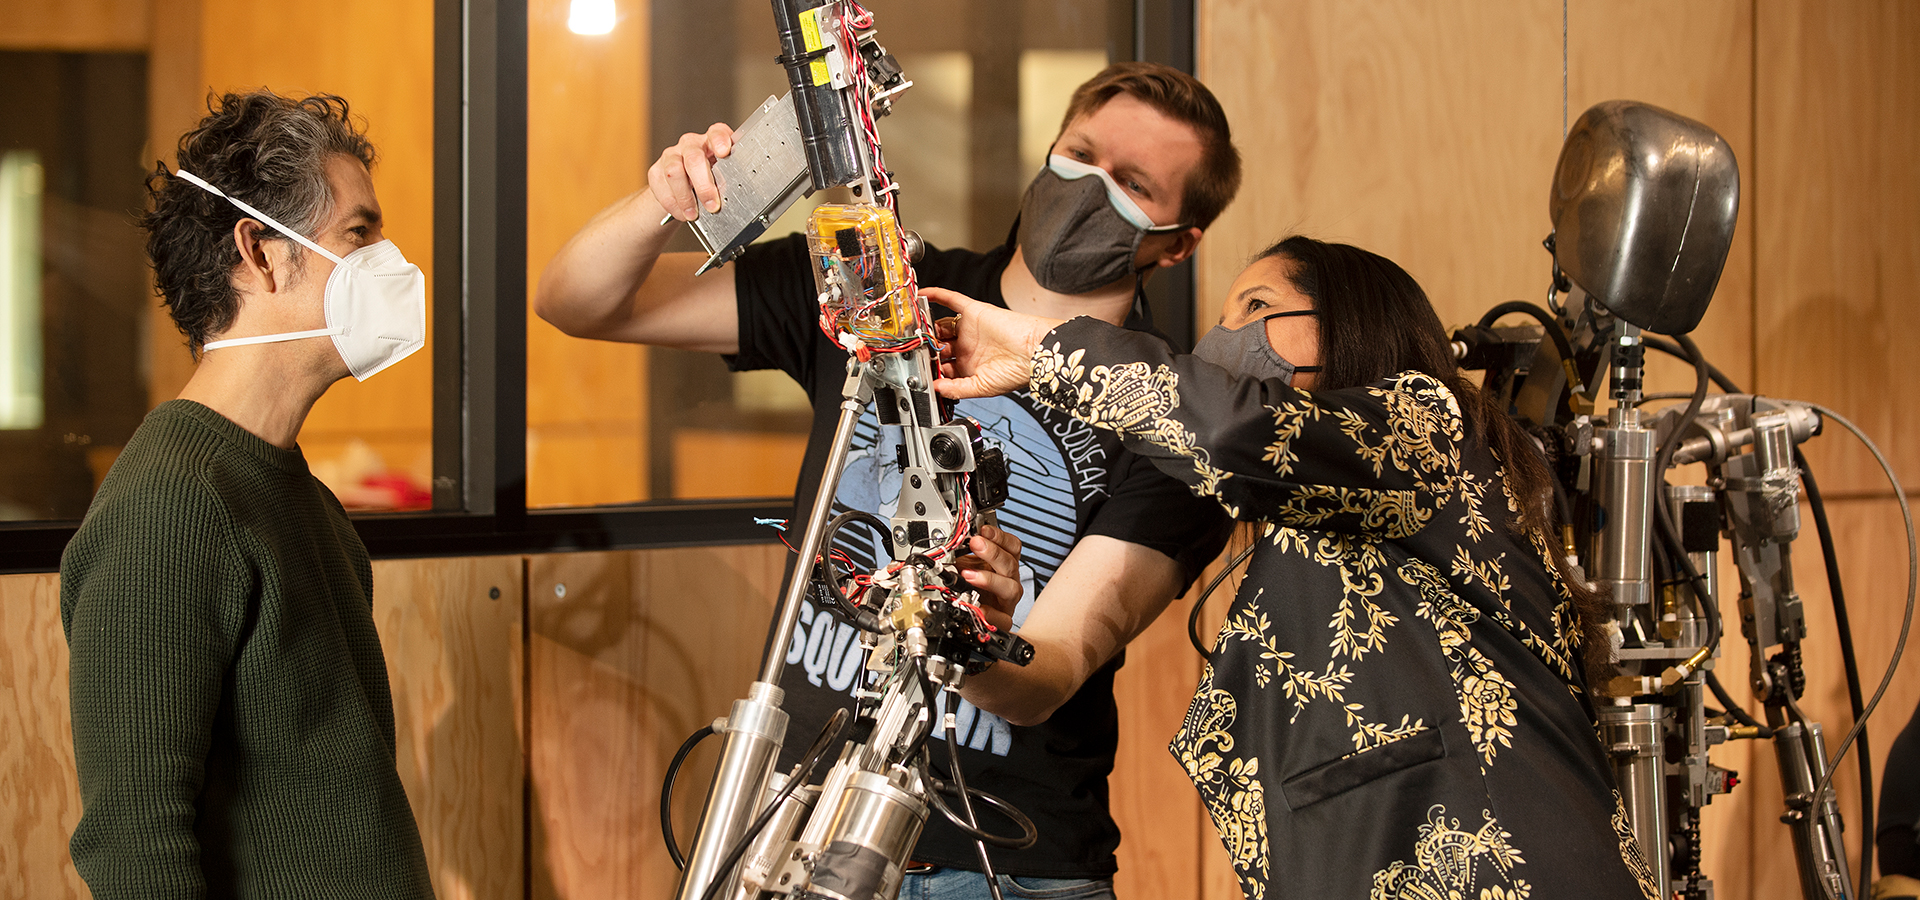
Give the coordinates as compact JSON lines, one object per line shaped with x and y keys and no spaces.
{"x":1897,"y":829}
{"x":1066,"y":480}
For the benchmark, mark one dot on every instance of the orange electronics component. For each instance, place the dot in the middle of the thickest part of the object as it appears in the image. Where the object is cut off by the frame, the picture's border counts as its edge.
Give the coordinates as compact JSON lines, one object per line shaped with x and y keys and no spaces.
{"x":861,"y":272}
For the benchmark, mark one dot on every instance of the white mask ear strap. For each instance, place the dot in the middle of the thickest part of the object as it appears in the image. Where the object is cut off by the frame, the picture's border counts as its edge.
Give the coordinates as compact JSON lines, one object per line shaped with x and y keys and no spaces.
{"x":249,"y":210}
{"x":270,"y":338}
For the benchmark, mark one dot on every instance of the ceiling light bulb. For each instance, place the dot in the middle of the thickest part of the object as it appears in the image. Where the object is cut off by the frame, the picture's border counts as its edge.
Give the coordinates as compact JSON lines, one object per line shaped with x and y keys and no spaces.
{"x":590,"y":16}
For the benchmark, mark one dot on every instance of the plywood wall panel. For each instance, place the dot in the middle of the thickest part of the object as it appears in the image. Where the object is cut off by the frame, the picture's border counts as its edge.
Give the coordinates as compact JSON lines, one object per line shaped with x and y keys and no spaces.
{"x":1839,"y":248}
{"x":1872,"y":554}
{"x":176,"y":99}
{"x":451,"y":630}
{"x":1429,"y":133}
{"x":1162,"y":826}
{"x":630,"y":654}
{"x":39,"y":793}
{"x":453,"y":662}
{"x":75,"y":25}
{"x":1423,"y":132}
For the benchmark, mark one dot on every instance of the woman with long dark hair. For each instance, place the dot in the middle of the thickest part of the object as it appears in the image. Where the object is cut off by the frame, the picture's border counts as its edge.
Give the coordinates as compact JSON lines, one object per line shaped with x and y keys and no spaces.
{"x":1396,"y":705}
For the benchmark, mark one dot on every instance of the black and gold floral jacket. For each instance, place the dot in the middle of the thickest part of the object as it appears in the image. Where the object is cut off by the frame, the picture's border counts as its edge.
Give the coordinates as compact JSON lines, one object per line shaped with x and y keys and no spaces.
{"x":1393,"y":707}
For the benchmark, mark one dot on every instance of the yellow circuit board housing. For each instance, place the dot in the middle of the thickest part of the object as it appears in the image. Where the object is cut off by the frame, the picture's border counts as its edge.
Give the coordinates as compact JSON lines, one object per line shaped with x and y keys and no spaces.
{"x":861,"y":271}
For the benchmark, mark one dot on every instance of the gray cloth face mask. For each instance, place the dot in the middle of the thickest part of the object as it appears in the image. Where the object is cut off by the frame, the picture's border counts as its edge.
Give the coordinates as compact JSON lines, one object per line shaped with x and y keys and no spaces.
{"x":1073,"y":238}
{"x":1246,"y":352}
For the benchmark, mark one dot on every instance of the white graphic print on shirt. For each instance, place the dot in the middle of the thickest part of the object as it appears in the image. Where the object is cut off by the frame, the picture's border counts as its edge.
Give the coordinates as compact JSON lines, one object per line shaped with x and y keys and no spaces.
{"x":1052,"y":462}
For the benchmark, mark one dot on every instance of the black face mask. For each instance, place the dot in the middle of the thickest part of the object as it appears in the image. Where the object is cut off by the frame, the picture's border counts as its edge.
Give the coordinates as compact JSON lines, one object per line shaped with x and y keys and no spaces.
{"x":1246,"y":352}
{"x":1072,"y":237}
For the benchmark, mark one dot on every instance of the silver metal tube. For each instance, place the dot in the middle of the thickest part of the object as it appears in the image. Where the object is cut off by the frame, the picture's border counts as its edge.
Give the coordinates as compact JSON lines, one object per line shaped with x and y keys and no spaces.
{"x":873,"y":831}
{"x":1815,"y":821}
{"x":754,"y":732}
{"x":1634,"y":737}
{"x":1626,"y":496}
{"x":1691,"y":630}
{"x":776,"y":659}
{"x":764,"y":854}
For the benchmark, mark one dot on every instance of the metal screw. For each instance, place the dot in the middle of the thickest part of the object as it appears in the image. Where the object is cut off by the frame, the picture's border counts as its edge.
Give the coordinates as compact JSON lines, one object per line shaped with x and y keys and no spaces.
{"x":559,"y":590}
{"x":493,"y":593}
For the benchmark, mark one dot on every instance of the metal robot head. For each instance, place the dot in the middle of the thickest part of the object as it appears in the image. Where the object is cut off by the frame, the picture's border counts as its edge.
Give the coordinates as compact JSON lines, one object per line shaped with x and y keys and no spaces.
{"x":1643,"y":209}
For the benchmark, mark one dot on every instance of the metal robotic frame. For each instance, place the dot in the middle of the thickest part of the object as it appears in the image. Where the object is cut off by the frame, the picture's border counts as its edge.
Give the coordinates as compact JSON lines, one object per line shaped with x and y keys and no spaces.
{"x":1643,"y":207}
{"x":848,"y":836}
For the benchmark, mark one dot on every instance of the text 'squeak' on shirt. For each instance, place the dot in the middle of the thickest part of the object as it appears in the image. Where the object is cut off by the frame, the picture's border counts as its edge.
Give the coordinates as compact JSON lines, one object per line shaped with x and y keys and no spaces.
{"x":1066,"y":480}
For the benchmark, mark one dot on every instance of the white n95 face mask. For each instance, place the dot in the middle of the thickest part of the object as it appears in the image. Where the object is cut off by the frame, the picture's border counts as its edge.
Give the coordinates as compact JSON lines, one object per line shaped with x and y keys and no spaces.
{"x":375,"y":301}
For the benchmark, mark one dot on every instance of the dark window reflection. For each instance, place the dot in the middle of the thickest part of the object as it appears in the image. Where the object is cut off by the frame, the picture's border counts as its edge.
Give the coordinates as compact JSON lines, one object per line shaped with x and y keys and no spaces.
{"x":81,"y":119}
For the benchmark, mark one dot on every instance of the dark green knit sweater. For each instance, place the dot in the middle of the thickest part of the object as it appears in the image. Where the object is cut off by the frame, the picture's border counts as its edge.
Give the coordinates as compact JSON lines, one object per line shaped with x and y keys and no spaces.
{"x":231,"y":716}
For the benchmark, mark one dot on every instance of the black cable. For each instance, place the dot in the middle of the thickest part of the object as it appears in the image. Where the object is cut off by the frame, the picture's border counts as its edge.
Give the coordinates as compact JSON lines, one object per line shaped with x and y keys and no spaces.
{"x":1698,"y":399}
{"x":1845,"y":626}
{"x":1913,"y":586}
{"x":825,"y":564}
{"x":801,"y":772}
{"x":966,"y":802}
{"x":926,"y":703}
{"x":1663,"y":517}
{"x":1671,"y":349}
{"x":1710,"y":609}
{"x":1193,"y":618}
{"x":666,"y":795}
{"x":1735,"y":710}
{"x":1029,"y":834}
{"x":1547,"y":321}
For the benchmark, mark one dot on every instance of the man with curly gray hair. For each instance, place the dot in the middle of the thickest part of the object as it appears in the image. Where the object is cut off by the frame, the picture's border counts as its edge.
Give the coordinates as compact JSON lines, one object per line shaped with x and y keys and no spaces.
{"x":232,"y":721}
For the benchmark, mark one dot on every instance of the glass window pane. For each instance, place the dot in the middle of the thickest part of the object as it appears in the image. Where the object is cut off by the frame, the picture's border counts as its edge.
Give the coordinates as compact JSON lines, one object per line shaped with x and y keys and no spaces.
{"x":611,"y":423}
{"x":371,"y":441}
{"x":72,"y":278}
{"x":82,"y":335}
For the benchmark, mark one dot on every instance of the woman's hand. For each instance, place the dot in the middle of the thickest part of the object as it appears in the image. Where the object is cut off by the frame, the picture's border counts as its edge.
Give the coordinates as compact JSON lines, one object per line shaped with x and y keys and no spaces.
{"x":993,"y":569}
{"x":988,"y":350}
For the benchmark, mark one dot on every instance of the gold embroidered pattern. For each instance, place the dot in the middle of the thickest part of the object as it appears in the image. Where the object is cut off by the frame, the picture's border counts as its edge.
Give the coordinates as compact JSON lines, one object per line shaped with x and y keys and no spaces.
{"x":1228,"y":785}
{"x":1250,"y":623}
{"x":1450,"y":863}
{"x":1373,"y":488}
{"x":1630,"y":849}
{"x":1488,"y":707}
{"x":1359,"y":563}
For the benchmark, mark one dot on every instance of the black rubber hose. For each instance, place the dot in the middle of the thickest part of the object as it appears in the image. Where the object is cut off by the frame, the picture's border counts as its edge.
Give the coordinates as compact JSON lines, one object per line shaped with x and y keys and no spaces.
{"x":966,"y":803}
{"x":801,"y":772}
{"x":1029,"y":834}
{"x":825,"y":563}
{"x":666,"y":795}
{"x":1193,"y":617}
{"x":1663,"y":517}
{"x":1733,"y":709}
{"x":1844,"y":625}
{"x":1671,"y":349}
{"x":1547,"y":321}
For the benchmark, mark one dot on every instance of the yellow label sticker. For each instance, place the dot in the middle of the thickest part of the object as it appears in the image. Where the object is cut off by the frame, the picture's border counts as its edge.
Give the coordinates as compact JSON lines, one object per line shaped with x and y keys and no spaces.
{"x":810,"y":31}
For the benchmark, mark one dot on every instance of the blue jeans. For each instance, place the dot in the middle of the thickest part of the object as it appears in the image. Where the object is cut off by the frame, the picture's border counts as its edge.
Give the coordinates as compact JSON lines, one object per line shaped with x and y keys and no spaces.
{"x":960,"y":884}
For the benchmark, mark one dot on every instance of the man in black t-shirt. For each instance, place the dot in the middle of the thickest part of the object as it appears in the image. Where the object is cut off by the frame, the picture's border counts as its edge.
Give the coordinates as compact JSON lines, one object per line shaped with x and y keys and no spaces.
{"x":1100,"y":540}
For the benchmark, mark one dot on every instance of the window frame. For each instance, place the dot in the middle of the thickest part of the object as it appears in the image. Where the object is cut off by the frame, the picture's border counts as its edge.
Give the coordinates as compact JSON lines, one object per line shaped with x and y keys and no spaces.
{"x":480,"y":325}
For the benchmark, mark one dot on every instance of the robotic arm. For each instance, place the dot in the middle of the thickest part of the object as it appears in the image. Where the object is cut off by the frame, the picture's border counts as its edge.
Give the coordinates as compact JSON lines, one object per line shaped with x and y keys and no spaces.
{"x":848,"y":837}
{"x":1643,"y":205}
